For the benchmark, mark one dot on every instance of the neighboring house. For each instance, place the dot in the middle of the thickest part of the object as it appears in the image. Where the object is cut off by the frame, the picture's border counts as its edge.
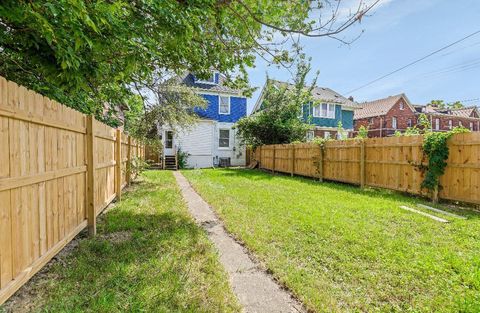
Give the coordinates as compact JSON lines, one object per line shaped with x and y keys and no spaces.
{"x":212,"y":140}
{"x":446,"y":119}
{"x":384,"y":117}
{"x":329,"y":108}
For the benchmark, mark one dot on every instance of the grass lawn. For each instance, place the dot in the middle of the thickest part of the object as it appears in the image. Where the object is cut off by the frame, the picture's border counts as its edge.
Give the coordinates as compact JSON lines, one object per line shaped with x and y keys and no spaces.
{"x":149,"y":256}
{"x":339,"y":248}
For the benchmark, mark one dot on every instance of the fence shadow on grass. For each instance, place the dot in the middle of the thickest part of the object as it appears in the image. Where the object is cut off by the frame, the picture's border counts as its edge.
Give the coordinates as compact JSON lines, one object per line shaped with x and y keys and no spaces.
{"x":148,"y":256}
{"x":258,"y":175}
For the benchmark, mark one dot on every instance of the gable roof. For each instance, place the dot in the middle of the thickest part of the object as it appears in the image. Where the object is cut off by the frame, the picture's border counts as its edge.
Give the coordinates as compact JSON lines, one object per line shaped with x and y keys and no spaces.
{"x":466,"y":112}
{"x":188,"y":79}
{"x":380,"y":107}
{"x":321,"y":94}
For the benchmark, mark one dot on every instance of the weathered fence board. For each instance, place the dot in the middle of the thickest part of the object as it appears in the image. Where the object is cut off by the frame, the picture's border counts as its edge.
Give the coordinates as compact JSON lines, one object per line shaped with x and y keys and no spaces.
{"x":391,"y":163}
{"x":45,"y":161}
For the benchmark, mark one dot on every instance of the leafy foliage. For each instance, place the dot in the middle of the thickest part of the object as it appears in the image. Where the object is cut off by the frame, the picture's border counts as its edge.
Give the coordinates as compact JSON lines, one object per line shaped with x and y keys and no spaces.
{"x":182,"y":158}
{"x":89,"y":54}
{"x":279,"y":119}
{"x":435,"y":148}
{"x":442,"y":105}
{"x":362,"y":132}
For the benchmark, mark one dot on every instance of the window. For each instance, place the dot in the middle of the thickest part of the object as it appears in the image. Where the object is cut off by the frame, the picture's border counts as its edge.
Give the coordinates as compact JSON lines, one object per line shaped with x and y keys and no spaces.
{"x":326,"y":110}
{"x":371,"y":120}
{"x":326,"y":135}
{"x":471,"y":125}
{"x":210,"y":80}
{"x":409,"y":122}
{"x":224,"y":105}
{"x":450,"y":124}
{"x":394,"y":122}
{"x":224,"y":138}
{"x":402,"y":106}
{"x":169,"y":139}
{"x":437,"y":124}
{"x":460,"y":123}
{"x":310,"y":135}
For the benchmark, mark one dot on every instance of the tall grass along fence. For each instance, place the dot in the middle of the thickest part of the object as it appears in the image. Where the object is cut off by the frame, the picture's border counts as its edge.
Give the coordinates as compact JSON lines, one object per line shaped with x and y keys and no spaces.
{"x":58,"y":170}
{"x":391,"y":163}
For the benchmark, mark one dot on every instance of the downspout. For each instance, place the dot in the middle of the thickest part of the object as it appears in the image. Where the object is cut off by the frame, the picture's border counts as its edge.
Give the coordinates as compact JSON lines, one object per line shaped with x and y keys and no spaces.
{"x":381,"y":126}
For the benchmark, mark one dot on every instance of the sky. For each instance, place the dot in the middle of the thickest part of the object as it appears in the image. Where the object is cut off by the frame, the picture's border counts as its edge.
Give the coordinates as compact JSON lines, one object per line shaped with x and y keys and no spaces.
{"x":395,"y":34}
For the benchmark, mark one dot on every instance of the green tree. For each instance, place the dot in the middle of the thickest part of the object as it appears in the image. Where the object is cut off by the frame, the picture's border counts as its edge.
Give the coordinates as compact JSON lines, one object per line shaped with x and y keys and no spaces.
{"x":442,"y":105}
{"x":89,"y":54}
{"x":362,"y":132}
{"x":279,"y":120}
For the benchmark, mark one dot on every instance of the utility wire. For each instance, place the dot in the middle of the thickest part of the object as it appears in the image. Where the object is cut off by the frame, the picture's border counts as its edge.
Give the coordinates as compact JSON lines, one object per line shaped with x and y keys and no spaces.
{"x":414,"y":62}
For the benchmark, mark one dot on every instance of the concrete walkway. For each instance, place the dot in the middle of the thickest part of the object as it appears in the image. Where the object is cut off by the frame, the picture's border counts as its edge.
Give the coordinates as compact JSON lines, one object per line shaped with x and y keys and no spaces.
{"x":255,"y":289}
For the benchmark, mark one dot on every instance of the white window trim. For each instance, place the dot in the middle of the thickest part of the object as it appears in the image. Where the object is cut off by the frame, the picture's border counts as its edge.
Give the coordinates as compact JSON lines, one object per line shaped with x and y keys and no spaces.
{"x":402,"y":106}
{"x":328,"y":110}
{"x":206,"y":82}
{"x":229,"y":139}
{"x":437,"y":124}
{"x":229,"y":104}
{"x":394,"y":123}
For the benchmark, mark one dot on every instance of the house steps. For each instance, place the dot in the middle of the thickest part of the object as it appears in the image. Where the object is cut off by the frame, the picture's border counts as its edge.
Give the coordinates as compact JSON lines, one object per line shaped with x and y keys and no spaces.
{"x":170,"y":162}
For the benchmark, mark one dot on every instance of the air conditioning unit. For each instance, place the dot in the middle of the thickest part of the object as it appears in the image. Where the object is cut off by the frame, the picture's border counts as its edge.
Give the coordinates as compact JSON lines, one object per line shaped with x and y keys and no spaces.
{"x":224,"y":162}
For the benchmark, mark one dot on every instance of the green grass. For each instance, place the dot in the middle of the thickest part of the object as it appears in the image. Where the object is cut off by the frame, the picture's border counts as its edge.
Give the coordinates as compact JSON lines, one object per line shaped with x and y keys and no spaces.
{"x":342,"y":249}
{"x":149,"y":256}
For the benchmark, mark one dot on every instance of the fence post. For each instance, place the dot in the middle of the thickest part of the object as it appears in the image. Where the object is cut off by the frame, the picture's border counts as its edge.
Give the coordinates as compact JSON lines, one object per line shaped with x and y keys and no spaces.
{"x":129,"y":148}
{"x":118,"y":165}
{"x":293,"y":160}
{"x":320,"y":164}
{"x":91,"y":214}
{"x":260,"y":157}
{"x":362,"y":164}
{"x":273,"y":162}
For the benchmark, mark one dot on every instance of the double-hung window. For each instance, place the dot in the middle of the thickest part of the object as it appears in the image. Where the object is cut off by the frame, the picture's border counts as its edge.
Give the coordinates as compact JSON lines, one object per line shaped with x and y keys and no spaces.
{"x":450,"y":124}
{"x":437,"y":124}
{"x":325,"y":110}
{"x":394,"y":122}
{"x":224,"y":105}
{"x":224,"y":138}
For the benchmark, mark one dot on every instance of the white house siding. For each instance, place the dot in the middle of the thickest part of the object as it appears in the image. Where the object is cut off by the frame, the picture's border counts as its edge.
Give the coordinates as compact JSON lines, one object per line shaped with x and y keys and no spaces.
{"x":197,"y":141}
{"x":236,"y":151}
{"x":201,"y":142}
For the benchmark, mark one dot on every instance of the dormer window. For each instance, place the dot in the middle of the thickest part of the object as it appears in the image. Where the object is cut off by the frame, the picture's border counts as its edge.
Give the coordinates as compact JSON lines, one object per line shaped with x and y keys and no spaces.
{"x":210,"y":80}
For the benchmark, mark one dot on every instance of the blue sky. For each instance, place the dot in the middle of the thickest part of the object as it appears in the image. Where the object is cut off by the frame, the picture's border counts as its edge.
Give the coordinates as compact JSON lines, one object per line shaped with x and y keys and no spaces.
{"x":398,"y":32}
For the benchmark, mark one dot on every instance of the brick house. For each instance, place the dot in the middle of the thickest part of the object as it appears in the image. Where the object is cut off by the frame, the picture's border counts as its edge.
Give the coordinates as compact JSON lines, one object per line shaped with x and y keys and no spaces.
{"x":446,"y":119}
{"x":384,"y":117}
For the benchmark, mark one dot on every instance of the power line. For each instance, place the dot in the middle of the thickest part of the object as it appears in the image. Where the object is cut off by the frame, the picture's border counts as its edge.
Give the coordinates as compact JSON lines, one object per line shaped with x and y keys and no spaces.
{"x":414,"y":62}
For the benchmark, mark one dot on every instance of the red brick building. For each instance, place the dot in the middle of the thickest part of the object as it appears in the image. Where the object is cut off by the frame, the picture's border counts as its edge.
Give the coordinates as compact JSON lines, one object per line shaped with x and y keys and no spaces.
{"x":386,"y":116}
{"x":446,"y":119}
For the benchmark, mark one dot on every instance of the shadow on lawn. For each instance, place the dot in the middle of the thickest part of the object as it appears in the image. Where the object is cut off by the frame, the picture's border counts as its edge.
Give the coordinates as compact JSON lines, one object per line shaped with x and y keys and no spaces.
{"x":143,"y":259}
{"x":393,"y":195}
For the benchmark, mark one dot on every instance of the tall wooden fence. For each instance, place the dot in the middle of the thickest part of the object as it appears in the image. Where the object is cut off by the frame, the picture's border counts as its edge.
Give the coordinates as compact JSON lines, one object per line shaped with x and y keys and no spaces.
{"x":58,"y":170}
{"x":391,"y":163}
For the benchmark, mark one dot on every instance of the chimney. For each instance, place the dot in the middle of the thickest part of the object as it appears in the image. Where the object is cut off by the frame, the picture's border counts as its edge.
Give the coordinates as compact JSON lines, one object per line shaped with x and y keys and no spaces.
{"x":350,"y":98}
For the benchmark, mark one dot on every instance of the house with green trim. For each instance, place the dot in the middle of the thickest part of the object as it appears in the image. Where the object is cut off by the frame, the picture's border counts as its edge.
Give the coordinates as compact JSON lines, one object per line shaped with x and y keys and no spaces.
{"x":328,"y":110}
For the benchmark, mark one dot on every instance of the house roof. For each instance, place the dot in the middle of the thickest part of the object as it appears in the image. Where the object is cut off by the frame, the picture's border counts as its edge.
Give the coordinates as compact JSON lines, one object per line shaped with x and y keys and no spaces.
{"x":466,"y":112}
{"x":379,"y":107}
{"x":188,"y":79}
{"x":321,"y":94}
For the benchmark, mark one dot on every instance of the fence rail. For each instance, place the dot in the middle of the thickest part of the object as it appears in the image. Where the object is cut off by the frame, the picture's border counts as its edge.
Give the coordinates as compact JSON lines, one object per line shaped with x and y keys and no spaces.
{"x":391,"y":163}
{"x":58,"y":170}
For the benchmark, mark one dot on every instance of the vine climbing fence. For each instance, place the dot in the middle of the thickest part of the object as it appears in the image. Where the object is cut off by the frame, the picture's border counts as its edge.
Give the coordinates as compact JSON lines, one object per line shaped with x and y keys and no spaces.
{"x":59,"y":169}
{"x":392,"y":163}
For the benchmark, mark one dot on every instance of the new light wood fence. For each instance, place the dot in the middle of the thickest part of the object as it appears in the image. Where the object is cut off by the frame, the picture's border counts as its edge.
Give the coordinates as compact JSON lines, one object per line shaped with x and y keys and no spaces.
{"x":391,"y":163}
{"x":58,"y":170}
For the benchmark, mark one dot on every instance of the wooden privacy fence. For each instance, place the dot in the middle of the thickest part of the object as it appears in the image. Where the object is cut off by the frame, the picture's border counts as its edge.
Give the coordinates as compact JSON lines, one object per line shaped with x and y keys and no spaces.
{"x":391,"y":163}
{"x":58,"y":170}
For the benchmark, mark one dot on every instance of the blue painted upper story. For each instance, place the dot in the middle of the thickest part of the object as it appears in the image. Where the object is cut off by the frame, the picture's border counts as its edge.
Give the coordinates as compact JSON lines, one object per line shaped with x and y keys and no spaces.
{"x":238,"y":108}
{"x":341,"y":115}
{"x":212,"y":90}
